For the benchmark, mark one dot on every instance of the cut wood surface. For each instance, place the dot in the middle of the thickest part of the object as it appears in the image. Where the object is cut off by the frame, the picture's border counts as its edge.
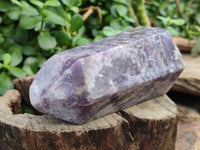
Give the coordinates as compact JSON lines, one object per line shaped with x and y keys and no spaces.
{"x":183,"y":44}
{"x":147,"y":126}
{"x":189,"y":80}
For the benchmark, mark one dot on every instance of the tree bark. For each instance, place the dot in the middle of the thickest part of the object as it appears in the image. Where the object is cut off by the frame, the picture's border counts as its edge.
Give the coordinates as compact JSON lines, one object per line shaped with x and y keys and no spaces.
{"x":132,"y":14}
{"x":146,"y":126}
{"x":140,"y":12}
{"x":189,"y":80}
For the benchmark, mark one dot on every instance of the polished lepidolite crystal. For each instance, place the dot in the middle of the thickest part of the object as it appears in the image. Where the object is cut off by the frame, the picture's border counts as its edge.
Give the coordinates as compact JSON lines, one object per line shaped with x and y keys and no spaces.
{"x":102,"y":77}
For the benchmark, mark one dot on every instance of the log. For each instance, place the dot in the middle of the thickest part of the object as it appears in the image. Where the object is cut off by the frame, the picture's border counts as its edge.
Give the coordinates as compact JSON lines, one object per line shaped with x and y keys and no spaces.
{"x":189,"y":80}
{"x":146,"y":126}
{"x":184,"y":45}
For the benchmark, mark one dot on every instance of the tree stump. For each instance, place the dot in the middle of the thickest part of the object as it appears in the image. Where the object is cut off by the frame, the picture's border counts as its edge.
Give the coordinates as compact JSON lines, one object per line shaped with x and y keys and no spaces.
{"x":151,"y":125}
{"x":189,"y":80}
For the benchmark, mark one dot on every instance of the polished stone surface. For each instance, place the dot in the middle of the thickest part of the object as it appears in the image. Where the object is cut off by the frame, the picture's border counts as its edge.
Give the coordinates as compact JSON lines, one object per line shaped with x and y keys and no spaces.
{"x":102,"y":77}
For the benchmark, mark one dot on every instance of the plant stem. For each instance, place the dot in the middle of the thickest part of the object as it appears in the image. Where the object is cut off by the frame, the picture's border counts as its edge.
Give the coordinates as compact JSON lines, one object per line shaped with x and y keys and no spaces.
{"x":179,"y":8}
{"x":42,"y":16}
{"x":141,"y":13}
{"x":90,"y":10}
{"x":68,"y":29}
{"x":132,"y":14}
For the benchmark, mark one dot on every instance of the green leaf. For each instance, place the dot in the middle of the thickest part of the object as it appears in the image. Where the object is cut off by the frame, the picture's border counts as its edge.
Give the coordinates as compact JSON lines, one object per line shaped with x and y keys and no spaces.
{"x":98,"y":38}
{"x":6,"y":20}
{"x":178,"y":22}
{"x":104,"y":12}
{"x":16,"y":2}
{"x":37,"y":3}
{"x":75,"y":9}
{"x":198,"y":17}
{"x":81,"y":41}
{"x":28,"y":10}
{"x":1,"y":19}
{"x":54,"y":3}
{"x":125,"y":2}
{"x":59,"y":11}
{"x":76,"y":22}
{"x":26,"y":109}
{"x":29,"y":50}
{"x":28,"y":70}
{"x":7,"y":31}
{"x":129,"y":19}
{"x":58,"y":50}
{"x":46,"y":41}
{"x":17,"y":72}
{"x":125,"y":28}
{"x":54,"y":18}
{"x":92,"y":1}
{"x":20,"y":35}
{"x":173,"y":31}
{"x":121,"y":10}
{"x":41,"y":60}
{"x":7,"y":59}
{"x":108,"y":31}
{"x":16,"y":53}
{"x":163,"y":19}
{"x":5,"y":5}
{"x":72,"y":3}
{"x":14,"y":14}
{"x":29,"y":22}
{"x":62,"y":38}
{"x":113,"y":10}
{"x":82,"y":30}
{"x":7,"y":43}
{"x":14,"y":48}
{"x":1,"y":39}
{"x":33,"y":63}
{"x":5,"y":83}
{"x":1,"y":65}
{"x":1,"y":54}
{"x":16,"y":59}
{"x":196,"y":48}
{"x":116,"y":24}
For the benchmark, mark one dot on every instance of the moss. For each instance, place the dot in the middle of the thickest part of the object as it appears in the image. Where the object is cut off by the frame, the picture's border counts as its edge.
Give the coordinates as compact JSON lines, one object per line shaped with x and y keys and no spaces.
{"x":141,"y":13}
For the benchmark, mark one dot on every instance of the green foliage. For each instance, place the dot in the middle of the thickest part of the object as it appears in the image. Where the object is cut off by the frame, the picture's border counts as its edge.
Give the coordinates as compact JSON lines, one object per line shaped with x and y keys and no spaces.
{"x":33,"y":30}
{"x":168,"y":22}
{"x":196,"y":48}
{"x":26,"y":109}
{"x":180,"y":17}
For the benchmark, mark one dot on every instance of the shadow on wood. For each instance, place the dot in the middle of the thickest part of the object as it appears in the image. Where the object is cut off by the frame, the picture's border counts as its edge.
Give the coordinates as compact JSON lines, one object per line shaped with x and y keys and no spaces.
{"x":150,"y":125}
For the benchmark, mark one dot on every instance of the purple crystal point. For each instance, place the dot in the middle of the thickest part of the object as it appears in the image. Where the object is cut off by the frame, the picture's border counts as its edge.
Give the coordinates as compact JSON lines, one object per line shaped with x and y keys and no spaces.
{"x":102,"y":77}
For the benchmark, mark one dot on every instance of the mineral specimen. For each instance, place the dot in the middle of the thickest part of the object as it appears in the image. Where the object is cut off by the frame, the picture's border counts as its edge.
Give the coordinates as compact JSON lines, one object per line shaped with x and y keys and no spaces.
{"x":102,"y":77}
